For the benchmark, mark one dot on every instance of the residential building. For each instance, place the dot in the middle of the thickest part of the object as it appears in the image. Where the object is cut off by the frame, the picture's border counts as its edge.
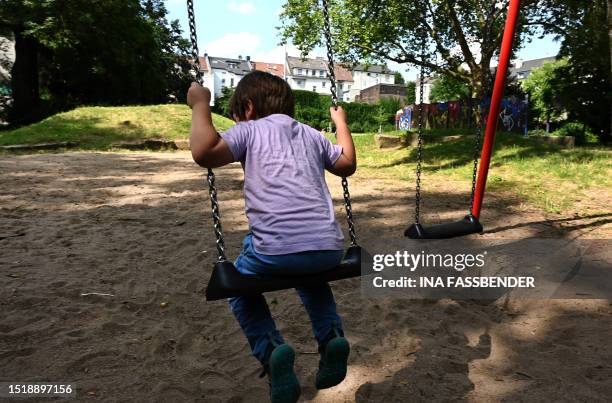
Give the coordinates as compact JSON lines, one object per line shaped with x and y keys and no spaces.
{"x":427,"y":85}
{"x":375,"y":93}
{"x":523,"y":68}
{"x":344,"y":80}
{"x":227,"y":72}
{"x":365,"y":76}
{"x":300,"y":74}
{"x":307,"y":74}
{"x":207,"y":77}
{"x":272,"y":68}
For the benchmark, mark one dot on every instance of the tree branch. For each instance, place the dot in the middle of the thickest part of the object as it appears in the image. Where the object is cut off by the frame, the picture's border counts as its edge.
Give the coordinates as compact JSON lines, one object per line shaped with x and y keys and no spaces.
{"x":408,"y":58}
{"x":456,"y":25}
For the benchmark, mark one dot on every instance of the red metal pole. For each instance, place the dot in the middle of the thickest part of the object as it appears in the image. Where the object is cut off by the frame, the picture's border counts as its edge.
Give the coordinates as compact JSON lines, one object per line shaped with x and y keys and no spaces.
{"x":498,"y":93}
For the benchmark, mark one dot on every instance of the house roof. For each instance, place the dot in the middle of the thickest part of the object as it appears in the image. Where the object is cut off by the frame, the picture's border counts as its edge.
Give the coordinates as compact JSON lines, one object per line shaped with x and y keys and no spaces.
{"x":342,"y":73}
{"x":203,"y":64}
{"x":528,"y":65}
{"x":238,"y":66}
{"x":313,"y":64}
{"x":272,"y":68}
{"x":372,"y":68}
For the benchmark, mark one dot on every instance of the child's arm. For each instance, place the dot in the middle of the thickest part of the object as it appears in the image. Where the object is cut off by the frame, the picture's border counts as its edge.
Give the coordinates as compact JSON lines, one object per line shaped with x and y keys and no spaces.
{"x":347,"y":163}
{"x":208,"y":149}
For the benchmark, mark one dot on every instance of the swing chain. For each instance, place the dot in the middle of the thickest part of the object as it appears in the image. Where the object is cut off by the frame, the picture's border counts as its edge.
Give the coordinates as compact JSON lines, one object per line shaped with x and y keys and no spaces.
{"x":476,"y":149}
{"x":334,"y":97}
{"x":330,"y":54}
{"x":417,"y":198}
{"x":216,"y":215}
{"x":194,"y":42}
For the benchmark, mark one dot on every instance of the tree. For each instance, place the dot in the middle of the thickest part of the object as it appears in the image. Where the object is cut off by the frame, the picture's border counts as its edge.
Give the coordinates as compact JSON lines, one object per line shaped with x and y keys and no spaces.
{"x":410,"y":92}
{"x":446,"y":88}
{"x":91,"y":51}
{"x":455,"y":30}
{"x":586,"y":44}
{"x":546,"y":86}
{"x":399,"y":79}
{"x":222,"y":103}
{"x":583,"y":85}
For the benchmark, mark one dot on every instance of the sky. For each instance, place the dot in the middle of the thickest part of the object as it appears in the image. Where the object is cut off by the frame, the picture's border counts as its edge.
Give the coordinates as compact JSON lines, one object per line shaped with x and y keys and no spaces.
{"x":248,"y":27}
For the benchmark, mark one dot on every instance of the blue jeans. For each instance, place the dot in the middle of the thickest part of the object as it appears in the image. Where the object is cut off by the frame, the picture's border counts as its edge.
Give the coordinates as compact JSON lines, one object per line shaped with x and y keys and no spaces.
{"x":252,"y":312}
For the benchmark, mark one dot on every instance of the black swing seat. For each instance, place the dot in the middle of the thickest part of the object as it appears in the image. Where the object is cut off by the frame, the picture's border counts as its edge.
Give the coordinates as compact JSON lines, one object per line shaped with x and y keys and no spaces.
{"x":466,"y":226}
{"x":226,"y":281}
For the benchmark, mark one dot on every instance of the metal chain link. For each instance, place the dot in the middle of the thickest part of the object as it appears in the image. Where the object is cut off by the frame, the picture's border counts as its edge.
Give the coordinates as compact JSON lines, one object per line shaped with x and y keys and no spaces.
{"x":330,"y":54}
{"x":212,"y":190}
{"x":476,"y":150}
{"x":417,"y":196}
{"x":334,"y":96}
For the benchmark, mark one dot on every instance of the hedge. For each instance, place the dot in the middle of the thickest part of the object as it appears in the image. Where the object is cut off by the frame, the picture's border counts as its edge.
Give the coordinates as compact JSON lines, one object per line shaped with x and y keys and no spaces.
{"x":313,"y":109}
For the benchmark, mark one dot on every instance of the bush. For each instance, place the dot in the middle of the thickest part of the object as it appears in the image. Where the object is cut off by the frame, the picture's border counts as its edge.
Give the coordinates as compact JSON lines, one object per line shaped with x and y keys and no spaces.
{"x":538,"y":132}
{"x":355,"y":127}
{"x":313,"y":109}
{"x":581,"y":132}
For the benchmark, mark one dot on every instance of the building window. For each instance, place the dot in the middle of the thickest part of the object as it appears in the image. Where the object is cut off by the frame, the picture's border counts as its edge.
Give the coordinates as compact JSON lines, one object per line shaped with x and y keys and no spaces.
{"x":312,"y":72}
{"x":322,"y":84}
{"x":341,"y":86}
{"x":223,"y":81}
{"x":232,"y":82}
{"x":321,"y":73}
{"x":314,"y":88}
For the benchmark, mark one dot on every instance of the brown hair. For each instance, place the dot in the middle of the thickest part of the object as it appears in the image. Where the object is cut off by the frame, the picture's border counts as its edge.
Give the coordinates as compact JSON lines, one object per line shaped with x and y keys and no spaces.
{"x":268,"y":93}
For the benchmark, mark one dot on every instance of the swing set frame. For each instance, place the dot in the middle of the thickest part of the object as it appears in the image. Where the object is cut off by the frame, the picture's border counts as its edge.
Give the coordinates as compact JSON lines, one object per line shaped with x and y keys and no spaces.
{"x":470,"y":224}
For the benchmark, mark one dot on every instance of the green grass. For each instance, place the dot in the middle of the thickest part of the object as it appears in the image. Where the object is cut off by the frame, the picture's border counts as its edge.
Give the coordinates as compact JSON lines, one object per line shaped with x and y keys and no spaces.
{"x":555,"y":179}
{"x":97,"y":128}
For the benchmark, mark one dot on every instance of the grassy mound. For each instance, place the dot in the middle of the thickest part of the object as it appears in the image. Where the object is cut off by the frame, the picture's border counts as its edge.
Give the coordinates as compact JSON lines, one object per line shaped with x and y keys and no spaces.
{"x":99,"y":127}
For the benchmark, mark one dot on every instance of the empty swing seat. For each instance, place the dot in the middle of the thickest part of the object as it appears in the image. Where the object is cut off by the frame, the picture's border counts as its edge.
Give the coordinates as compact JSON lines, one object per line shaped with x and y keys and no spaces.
{"x":226,"y":281}
{"x":466,"y":226}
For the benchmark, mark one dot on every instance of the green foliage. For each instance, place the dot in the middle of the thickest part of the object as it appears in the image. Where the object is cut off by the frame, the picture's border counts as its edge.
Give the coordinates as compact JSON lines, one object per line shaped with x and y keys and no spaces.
{"x":390,"y":30}
{"x":222,"y":103}
{"x":580,"y":131}
{"x":308,"y":98}
{"x":95,"y":52}
{"x":545,"y":86}
{"x":446,"y":88}
{"x":587,"y":96}
{"x":313,"y":109}
{"x":410,"y":93}
{"x":399,"y":79}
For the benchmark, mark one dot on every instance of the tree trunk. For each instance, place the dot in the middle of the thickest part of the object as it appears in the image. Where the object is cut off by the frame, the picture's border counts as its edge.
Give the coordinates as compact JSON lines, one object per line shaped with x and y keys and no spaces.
{"x":24,"y":79}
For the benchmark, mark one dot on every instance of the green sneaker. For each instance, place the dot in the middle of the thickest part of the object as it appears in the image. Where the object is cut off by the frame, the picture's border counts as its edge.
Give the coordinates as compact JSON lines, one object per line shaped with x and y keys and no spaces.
{"x":284,"y":385}
{"x":334,"y":358}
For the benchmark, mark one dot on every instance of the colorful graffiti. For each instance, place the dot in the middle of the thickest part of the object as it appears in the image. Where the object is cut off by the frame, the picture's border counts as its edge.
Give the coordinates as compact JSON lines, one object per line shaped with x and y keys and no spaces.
{"x":460,"y":114}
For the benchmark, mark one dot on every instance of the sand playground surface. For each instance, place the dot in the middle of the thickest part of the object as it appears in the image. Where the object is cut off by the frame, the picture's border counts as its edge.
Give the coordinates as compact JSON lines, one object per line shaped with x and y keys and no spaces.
{"x":105,"y":258}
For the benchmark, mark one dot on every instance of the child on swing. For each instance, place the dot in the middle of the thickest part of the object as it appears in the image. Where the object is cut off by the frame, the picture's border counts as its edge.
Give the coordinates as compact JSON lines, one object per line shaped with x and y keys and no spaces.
{"x":292,"y":228}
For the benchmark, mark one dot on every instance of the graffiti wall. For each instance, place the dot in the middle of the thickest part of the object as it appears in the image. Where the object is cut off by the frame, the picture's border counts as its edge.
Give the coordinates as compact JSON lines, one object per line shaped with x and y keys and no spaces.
{"x":464,"y":114}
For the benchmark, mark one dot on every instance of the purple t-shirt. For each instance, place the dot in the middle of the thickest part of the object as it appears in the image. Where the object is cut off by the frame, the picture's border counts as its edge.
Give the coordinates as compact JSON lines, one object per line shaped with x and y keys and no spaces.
{"x":287,"y":200}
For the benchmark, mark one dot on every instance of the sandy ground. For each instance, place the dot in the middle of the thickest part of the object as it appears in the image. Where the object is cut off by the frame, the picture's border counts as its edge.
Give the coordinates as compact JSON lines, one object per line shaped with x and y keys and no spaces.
{"x":137,"y":226}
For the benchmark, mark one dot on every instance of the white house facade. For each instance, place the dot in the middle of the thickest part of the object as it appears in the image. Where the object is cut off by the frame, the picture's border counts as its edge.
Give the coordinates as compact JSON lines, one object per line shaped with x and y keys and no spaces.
{"x":300,"y":74}
{"x":307,"y":74}
{"x":368,"y":76}
{"x":227,"y":72}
